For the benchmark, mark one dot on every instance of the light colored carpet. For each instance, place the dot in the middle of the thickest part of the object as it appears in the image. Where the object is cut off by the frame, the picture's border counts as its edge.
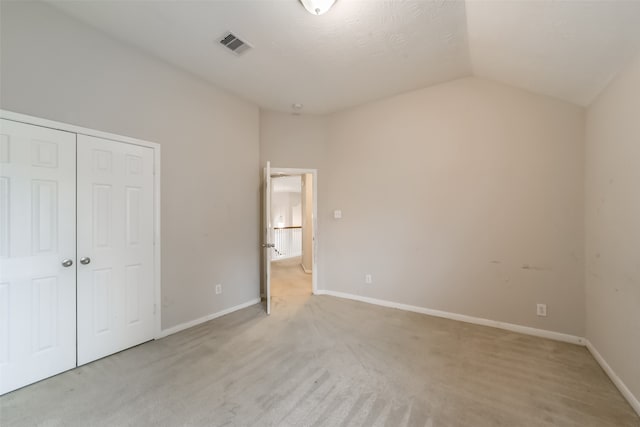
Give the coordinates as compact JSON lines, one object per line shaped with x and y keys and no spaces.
{"x":323,"y":361}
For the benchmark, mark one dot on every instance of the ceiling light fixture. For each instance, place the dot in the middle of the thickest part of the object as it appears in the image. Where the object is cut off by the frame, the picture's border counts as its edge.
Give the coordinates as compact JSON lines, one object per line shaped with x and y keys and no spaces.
{"x":317,"y":7}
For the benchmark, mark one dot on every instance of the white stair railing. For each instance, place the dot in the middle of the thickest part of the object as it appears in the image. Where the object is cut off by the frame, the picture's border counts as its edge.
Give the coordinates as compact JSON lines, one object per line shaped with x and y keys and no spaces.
{"x":288,"y":242}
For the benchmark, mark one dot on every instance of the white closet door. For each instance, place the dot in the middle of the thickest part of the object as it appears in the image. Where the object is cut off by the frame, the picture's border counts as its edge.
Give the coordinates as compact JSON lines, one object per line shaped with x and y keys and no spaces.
{"x":115,"y":247}
{"x":37,"y":236}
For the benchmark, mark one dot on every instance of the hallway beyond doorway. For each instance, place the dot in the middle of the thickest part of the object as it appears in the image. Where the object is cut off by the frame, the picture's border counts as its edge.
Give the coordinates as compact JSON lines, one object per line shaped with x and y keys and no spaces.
{"x":288,"y":279}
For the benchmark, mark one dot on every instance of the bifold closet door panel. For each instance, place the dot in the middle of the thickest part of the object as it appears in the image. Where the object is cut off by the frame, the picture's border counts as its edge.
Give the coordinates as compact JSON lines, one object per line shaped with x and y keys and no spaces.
{"x":37,"y":253}
{"x":115,"y":247}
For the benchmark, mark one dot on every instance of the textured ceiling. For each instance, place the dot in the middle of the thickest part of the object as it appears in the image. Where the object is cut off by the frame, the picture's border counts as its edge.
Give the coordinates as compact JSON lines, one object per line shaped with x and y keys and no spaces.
{"x":566,"y":49}
{"x":363,"y":50}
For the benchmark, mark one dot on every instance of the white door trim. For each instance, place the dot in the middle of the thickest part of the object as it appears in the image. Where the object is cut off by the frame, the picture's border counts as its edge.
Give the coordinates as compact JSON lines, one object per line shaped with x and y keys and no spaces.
{"x":268,"y":236}
{"x":23,"y":118}
{"x":314,"y":172}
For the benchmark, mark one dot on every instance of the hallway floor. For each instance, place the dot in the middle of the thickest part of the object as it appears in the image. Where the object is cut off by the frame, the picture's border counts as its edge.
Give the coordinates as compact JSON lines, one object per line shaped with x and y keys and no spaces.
{"x":288,"y":279}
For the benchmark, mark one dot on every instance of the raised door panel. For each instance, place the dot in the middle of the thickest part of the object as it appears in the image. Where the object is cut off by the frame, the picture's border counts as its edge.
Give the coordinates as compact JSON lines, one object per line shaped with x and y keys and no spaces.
{"x":4,"y":323}
{"x":44,"y":229}
{"x":4,"y":216}
{"x":116,"y":293}
{"x":37,"y":232}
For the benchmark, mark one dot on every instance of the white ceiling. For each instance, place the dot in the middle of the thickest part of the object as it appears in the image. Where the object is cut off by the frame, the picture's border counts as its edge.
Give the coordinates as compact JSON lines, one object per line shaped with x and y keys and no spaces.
{"x":286,"y":184}
{"x":566,"y":49}
{"x":363,"y":50}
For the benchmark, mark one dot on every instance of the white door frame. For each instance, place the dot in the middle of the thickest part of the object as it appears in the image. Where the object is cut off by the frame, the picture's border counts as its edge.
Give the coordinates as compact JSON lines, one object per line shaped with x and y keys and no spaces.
{"x":268,"y":236}
{"x":23,"y":118}
{"x":314,"y":258}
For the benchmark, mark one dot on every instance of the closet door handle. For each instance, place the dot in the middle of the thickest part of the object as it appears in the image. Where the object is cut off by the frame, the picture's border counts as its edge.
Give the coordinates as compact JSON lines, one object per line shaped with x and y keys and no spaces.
{"x":67,"y":263}
{"x":85,"y":260}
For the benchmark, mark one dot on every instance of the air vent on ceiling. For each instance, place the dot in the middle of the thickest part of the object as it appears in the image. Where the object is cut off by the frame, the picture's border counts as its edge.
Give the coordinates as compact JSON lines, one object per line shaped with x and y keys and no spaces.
{"x":234,"y":44}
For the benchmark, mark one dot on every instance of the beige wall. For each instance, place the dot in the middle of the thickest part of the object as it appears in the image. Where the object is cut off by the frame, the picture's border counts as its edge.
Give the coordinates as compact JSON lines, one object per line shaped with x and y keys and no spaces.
{"x":613,"y":226}
{"x":307,"y":222}
{"x":465,"y":197}
{"x":57,"y":68}
{"x":290,"y":141}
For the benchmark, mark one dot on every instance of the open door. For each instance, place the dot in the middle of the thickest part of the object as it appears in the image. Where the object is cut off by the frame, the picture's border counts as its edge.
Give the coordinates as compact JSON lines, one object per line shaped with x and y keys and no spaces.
{"x":267,"y":242}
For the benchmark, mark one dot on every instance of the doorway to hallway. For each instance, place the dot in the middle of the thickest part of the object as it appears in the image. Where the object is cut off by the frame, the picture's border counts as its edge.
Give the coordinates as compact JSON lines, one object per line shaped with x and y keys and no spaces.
{"x":290,"y":230}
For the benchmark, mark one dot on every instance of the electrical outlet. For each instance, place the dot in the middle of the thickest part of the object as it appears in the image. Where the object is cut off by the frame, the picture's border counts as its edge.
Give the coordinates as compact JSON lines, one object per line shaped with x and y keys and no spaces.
{"x":541,"y":310}
{"x":218,"y":289}
{"x":368,"y":279}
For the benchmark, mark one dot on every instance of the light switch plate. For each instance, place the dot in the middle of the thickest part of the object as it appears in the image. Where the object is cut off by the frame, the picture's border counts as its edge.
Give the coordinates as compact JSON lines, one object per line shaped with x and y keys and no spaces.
{"x":541,"y":310}
{"x":337,"y":214}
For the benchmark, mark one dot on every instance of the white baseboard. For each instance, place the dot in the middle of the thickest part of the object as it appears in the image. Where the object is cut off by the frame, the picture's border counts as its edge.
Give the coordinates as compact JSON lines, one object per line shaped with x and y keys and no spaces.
{"x":633,"y":400}
{"x":285,"y":257}
{"x":305,"y":269}
{"x":192,"y":323}
{"x":462,"y":317}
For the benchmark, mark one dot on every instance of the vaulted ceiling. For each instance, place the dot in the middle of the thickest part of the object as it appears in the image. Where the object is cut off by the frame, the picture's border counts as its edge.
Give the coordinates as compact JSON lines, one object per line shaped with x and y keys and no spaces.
{"x":362,"y":50}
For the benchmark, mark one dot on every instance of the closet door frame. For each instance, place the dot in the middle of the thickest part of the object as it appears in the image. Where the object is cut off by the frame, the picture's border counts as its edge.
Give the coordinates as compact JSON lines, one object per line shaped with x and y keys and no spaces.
{"x":23,"y":118}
